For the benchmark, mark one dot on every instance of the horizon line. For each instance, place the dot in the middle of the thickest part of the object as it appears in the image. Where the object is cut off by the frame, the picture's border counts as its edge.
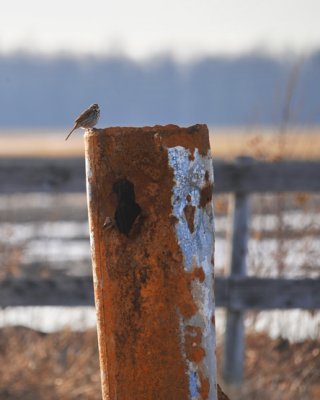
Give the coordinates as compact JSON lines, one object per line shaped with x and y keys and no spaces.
{"x":286,"y":53}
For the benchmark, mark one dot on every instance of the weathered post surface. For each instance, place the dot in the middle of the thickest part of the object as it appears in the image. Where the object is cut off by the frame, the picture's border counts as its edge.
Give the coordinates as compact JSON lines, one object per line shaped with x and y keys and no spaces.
{"x":151,"y":224}
{"x":234,"y":347}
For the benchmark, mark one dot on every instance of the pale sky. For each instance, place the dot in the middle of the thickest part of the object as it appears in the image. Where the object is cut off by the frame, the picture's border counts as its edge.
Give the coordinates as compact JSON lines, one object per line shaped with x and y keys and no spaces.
{"x":142,"y":28}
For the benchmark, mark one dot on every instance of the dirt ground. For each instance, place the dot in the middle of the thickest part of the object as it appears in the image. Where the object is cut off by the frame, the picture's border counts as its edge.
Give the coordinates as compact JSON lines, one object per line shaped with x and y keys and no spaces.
{"x":64,"y":365}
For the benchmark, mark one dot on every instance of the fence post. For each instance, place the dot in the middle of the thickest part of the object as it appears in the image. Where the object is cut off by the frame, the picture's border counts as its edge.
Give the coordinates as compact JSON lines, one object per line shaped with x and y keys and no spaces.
{"x":151,"y":227}
{"x":233,"y":356}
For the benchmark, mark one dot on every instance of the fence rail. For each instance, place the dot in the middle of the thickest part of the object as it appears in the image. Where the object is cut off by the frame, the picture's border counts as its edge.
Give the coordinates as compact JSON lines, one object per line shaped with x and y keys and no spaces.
{"x":239,"y":294}
{"x":59,"y":175}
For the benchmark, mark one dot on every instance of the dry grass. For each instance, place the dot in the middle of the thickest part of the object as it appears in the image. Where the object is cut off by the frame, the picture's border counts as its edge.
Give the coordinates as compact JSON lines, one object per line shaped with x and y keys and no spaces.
{"x":26,"y":144}
{"x":225,"y":143}
{"x":266,"y":144}
{"x":64,"y":365}
{"x":278,"y":370}
{"x":36,"y":366}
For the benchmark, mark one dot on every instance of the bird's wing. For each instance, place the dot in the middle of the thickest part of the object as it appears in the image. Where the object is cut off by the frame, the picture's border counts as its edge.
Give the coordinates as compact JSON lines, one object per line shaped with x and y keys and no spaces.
{"x":83,"y":115}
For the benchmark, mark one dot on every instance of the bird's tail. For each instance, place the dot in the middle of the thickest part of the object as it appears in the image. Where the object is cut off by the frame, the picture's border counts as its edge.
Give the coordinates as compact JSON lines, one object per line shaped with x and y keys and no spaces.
{"x":73,"y":129}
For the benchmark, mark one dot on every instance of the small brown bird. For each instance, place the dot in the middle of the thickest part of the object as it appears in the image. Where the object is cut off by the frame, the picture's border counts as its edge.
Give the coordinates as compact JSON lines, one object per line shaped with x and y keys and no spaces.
{"x":87,"y":119}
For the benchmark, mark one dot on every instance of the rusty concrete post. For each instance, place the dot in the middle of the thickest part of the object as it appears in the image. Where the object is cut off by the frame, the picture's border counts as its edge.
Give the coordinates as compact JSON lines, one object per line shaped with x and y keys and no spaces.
{"x":151,"y":227}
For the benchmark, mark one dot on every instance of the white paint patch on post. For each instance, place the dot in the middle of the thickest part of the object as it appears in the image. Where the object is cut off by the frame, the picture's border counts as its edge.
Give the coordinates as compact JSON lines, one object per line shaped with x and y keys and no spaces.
{"x":192,"y":173}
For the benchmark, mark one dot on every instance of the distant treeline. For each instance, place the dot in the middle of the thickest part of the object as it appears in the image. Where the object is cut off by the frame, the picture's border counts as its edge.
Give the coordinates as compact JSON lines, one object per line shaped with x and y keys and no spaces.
{"x":251,"y":89}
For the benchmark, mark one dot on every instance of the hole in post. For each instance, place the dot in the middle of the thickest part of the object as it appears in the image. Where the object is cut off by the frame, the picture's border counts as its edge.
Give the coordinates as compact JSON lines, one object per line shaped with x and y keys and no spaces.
{"x":127,"y":209}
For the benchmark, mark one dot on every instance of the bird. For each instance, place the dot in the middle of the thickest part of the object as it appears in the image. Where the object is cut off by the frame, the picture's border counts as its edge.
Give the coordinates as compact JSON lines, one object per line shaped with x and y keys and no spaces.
{"x":87,"y":119}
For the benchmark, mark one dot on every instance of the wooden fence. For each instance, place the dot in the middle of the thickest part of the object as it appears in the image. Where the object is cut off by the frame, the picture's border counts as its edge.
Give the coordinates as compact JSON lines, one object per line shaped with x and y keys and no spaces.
{"x":236,"y":292}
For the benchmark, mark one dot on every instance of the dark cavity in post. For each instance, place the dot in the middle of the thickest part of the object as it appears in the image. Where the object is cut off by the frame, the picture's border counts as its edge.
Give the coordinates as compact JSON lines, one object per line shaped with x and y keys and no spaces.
{"x":127,"y":209}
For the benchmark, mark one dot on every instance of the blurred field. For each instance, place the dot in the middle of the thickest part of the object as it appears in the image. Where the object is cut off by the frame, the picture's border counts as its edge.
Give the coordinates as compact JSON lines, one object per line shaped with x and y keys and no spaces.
{"x":266,"y":144}
{"x":40,"y":144}
{"x":64,"y":365}
{"x":225,"y":143}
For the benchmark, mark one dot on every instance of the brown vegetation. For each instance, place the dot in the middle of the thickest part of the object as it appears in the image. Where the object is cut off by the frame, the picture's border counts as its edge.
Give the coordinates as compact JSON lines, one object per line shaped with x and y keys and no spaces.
{"x":266,"y":145}
{"x":278,"y":370}
{"x":64,"y":365}
{"x":225,"y":144}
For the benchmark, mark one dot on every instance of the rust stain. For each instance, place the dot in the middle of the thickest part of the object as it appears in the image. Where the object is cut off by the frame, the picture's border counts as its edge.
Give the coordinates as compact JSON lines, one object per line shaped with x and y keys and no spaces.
{"x":196,"y":136}
{"x":173,"y":219}
{"x":184,"y":298}
{"x":193,"y":339}
{"x":191,"y":155}
{"x":189,"y":211}
{"x":205,"y":195}
{"x":198,"y":273}
{"x":204,"y":387}
{"x":140,"y":279}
